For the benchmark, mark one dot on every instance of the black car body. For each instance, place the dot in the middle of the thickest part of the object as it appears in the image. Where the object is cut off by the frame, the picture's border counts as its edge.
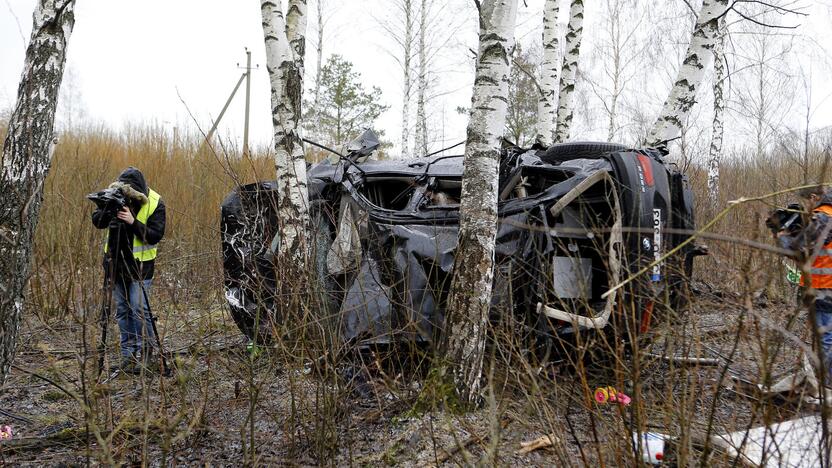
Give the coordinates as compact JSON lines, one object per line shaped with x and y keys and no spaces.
{"x":575,"y":220}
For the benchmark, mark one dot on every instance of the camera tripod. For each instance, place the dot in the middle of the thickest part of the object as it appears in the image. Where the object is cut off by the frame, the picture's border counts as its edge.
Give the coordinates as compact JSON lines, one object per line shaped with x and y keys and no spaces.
{"x":107,"y":301}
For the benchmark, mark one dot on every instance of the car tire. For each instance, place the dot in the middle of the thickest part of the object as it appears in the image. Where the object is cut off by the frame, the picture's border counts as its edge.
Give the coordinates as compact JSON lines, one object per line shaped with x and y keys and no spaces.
{"x":578,"y":150}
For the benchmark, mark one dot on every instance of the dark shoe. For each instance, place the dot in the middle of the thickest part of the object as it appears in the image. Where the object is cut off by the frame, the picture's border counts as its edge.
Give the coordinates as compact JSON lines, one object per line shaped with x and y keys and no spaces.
{"x":127,"y":366}
{"x":146,"y":361}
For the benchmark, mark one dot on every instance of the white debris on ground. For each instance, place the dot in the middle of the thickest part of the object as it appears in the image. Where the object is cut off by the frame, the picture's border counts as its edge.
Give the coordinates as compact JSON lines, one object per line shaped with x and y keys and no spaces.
{"x":794,"y":444}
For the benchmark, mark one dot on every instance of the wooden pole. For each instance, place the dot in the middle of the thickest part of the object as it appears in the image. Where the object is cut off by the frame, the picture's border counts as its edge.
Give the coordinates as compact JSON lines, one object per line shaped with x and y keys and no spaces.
{"x":248,"y":99}
{"x":224,"y":108}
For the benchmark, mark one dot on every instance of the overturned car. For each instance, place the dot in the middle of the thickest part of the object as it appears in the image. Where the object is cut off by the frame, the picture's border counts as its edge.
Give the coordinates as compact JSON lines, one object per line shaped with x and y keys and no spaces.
{"x":575,"y":220}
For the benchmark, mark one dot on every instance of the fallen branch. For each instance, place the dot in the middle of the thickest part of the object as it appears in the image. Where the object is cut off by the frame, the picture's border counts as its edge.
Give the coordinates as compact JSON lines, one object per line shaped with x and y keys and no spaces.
{"x":65,"y":437}
{"x":684,"y":360}
{"x":450,"y":452}
{"x":16,"y":417}
{"x":539,"y":443}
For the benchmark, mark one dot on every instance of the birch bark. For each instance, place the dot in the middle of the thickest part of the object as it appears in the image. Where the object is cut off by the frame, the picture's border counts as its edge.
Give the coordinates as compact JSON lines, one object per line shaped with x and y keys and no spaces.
{"x":27,"y":156}
{"x":574,"y":32}
{"x":407,"y":6}
{"x":549,"y":68}
{"x":614,"y":53}
{"x":285,"y":44}
{"x":470,"y":295}
{"x":718,"y":129}
{"x":682,"y":96}
{"x":319,"y":50}
{"x":421,"y":140}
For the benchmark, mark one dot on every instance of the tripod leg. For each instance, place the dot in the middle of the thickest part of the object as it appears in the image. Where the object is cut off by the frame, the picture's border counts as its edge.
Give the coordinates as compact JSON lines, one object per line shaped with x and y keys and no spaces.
{"x":102,"y":346}
{"x":107,"y":292}
{"x":165,"y":369}
{"x":104,"y":320}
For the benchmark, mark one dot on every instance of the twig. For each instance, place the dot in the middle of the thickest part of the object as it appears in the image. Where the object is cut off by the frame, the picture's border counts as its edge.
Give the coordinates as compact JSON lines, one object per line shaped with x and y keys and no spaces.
{"x":22,"y":419}
{"x":66,"y":436}
{"x":450,"y":452}
{"x":49,"y":381}
{"x":731,"y":205}
{"x":528,"y":74}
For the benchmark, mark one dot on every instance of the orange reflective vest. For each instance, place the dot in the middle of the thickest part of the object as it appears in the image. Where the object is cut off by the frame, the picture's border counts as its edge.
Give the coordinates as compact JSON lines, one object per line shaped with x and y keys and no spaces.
{"x":821,"y":271}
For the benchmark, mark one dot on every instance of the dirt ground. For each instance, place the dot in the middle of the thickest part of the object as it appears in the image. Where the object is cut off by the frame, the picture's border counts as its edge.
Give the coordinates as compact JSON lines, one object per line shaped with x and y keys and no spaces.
{"x":226,"y":406}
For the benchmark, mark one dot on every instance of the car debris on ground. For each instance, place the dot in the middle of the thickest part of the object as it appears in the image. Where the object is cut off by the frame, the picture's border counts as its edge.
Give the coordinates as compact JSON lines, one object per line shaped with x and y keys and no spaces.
{"x":794,"y":443}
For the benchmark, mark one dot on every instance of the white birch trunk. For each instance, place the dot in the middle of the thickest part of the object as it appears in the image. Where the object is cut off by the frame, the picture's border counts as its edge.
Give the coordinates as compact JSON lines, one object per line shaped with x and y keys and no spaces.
{"x":614,"y":21}
{"x":319,"y":52}
{"x":715,"y":151}
{"x":27,"y":156}
{"x":407,"y":6}
{"x":470,"y":295}
{"x":285,"y":43}
{"x":421,"y":140}
{"x":549,"y":79}
{"x":682,"y":96}
{"x":574,"y":32}
{"x":296,"y":18}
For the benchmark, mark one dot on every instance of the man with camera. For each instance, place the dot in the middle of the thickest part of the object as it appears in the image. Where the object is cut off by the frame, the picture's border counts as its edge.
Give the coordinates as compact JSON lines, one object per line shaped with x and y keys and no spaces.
{"x":134,"y":215}
{"x":814,"y":243}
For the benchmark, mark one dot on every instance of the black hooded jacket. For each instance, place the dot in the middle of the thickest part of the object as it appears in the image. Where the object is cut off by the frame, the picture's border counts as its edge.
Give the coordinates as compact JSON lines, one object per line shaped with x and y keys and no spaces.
{"x":120,"y":241}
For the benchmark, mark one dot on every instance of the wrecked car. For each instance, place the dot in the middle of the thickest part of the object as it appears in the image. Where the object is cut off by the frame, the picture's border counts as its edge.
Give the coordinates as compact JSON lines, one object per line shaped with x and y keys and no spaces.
{"x":575,"y":220}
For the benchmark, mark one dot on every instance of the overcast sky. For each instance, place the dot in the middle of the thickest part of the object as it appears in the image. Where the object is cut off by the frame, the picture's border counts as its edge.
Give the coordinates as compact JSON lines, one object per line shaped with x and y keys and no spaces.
{"x":131,"y":61}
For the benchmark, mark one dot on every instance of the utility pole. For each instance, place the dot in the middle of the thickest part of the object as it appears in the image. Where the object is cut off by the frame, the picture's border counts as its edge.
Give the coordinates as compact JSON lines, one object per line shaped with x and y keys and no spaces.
{"x":248,"y":99}
{"x":247,"y":77}
{"x":224,"y":108}
{"x":175,"y":139}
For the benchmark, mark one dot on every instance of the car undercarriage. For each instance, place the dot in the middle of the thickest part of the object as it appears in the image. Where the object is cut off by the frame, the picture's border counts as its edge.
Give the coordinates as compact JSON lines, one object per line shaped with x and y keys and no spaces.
{"x":575,"y":220}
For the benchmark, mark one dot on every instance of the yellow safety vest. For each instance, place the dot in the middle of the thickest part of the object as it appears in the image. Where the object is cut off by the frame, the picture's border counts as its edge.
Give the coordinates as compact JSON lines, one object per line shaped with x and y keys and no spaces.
{"x":141,"y":251}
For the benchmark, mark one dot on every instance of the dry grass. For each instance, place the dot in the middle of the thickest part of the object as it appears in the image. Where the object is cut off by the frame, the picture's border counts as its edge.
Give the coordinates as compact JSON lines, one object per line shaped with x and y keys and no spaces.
{"x":192,"y":181}
{"x":225,"y":406}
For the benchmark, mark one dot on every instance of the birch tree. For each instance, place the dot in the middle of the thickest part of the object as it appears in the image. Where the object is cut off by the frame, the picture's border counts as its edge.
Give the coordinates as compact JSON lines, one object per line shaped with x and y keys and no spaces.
{"x":71,"y":110}
{"x":27,"y":156}
{"x":682,"y":95}
{"x":421,"y":139}
{"x":319,"y":54}
{"x":617,"y":59}
{"x":470,"y":294}
{"x":549,"y":69}
{"x":718,"y":129}
{"x":398,"y":22}
{"x":766,"y":94}
{"x":285,"y":44}
{"x":407,"y":85}
{"x":574,"y":32}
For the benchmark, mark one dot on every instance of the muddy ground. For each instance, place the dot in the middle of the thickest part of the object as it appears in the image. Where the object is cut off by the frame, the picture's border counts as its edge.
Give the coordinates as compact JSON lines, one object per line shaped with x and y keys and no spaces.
{"x":225,"y":406}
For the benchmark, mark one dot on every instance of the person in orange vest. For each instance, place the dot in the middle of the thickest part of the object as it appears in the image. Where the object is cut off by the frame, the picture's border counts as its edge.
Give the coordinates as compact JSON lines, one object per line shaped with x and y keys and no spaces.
{"x":815,"y":241}
{"x":129,"y":263}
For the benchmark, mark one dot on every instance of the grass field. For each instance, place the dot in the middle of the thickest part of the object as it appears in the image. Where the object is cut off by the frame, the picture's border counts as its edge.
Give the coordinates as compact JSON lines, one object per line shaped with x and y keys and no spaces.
{"x":228,"y":406}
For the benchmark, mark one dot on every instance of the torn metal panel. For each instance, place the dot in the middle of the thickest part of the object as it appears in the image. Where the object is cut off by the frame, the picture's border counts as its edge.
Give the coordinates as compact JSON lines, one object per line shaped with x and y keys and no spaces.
{"x":367,"y":309}
{"x":386,"y":233}
{"x":345,"y":252}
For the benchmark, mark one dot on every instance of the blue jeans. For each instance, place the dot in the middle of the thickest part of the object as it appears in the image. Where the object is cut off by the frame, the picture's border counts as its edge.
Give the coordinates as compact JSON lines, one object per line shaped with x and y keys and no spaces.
{"x":823,"y":320}
{"x":133,"y":316}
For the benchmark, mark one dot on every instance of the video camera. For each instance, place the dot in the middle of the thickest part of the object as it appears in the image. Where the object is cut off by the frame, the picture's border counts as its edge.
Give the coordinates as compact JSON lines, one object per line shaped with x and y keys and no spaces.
{"x":789,"y":219}
{"x":110,"y":200}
